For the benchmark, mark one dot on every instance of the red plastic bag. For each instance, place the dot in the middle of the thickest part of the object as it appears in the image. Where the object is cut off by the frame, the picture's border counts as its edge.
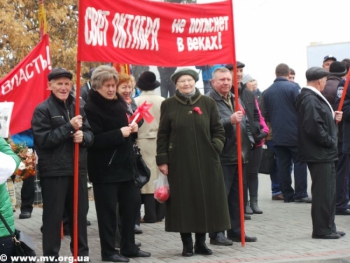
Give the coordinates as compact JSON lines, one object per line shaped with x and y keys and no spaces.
{"x":162,"y":192}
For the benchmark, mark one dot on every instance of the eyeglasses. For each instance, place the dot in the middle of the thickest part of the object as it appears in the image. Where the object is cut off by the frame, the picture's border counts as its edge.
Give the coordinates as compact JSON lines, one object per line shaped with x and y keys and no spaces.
{"x":186,"y":80}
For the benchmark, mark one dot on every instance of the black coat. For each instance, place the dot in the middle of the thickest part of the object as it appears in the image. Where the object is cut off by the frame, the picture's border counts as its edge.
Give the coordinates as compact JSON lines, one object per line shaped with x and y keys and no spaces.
{"x":345,"y":133}
{"x":317,"y":131}
{"x":110,"y":158}
{"x":53,"y":141}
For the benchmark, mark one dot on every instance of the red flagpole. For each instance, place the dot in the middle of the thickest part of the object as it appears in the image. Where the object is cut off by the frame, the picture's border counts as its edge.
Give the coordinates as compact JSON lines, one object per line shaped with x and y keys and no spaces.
{"x":76,"y":169}
{"x":340,"y":107}
{"x":238,"y":133}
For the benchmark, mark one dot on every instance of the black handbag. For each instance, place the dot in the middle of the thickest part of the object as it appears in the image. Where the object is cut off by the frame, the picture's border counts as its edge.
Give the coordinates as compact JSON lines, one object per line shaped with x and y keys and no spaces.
{"x":267,"y":161}
{"x":24,"y":245}
{"x":142,"y":172}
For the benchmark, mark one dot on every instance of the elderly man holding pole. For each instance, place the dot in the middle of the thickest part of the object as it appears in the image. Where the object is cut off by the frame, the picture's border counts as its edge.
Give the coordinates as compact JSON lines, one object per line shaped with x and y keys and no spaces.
{"x":222,"y":83}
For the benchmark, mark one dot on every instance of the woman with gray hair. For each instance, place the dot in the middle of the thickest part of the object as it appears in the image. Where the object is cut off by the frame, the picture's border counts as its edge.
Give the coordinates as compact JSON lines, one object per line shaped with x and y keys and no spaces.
{"x":111,"y":165}
{"x":190,"y":139}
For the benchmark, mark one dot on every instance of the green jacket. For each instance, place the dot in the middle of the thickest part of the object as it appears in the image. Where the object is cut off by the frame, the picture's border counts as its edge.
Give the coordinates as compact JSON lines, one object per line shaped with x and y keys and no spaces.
{"x":5,"y":201}
{"x":190,"y":139}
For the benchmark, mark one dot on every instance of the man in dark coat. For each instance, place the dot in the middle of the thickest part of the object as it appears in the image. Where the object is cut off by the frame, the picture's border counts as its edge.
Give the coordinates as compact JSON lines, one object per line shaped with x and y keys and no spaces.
{"x":221,"y":83}
{"x":167,"y":87}
{"x":338,"y":70}
{"x":317,"y":141}
{"x":279,"y":110}
{"x":56,"y":128}
{"x":252,"y":114}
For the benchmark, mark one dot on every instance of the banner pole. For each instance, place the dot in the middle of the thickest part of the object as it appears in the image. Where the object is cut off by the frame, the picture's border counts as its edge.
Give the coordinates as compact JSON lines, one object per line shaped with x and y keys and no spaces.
{"x":340,"y":107}
{"x":238,"y":133}
{"x":76,"y":169}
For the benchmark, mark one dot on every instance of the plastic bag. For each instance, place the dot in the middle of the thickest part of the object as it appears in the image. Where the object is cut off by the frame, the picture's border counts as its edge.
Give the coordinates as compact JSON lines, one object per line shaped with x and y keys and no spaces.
{"x":162,"y":191}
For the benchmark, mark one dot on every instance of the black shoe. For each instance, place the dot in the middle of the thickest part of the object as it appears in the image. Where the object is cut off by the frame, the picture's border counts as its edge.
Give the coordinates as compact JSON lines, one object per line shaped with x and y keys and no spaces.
{"x":202,"y":249}
{"x":340,"y":233}
{"x":303,"y":200}
{"x":289,"y":200}
{"x":88,"y":223}
{"x":138,"y":244}
{"x":115,"y":258}
{"x":247,"y":217}
{"x":141,"y":254}
{"x":345,"y":212}
{"x":329,"y":236}
{"x":187,"y":251}
{"x":138,"y":229}
{"x":221,"y":240}
{"x":25,"y":215}
{"x":247,"y":239}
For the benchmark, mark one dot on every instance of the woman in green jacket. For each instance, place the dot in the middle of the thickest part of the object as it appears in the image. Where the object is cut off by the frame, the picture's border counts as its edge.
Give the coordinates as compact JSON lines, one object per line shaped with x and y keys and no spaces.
{"x":190,"y":139}
{"x":9,"y":162}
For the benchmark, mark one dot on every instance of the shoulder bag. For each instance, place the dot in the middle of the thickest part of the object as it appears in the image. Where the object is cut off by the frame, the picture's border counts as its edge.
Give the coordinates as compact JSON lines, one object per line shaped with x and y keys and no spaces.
{"x":143,"y":173}
{"x":24,"y":245}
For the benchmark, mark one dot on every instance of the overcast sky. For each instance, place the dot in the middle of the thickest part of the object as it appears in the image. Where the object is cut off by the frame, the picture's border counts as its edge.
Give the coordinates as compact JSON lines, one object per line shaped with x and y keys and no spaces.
{"x":269,"y":32}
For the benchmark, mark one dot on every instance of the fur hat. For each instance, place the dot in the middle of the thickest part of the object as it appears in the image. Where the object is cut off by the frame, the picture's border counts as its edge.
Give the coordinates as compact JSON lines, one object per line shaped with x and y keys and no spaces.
{"x":184,"y":71}
{"x":338,"y":68}
{"x":59,"y":73}
{"x":147,"y":81}
{"x":316,"y":73}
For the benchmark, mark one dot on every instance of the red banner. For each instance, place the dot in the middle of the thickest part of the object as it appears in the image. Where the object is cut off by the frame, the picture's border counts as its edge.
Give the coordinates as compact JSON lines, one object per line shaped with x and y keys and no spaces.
{"x":26,"y":85}
{"x":155,"y":33}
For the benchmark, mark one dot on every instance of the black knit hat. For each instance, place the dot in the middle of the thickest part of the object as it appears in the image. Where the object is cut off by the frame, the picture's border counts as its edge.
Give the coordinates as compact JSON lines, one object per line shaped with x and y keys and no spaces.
{"x":316,"y":73}
{"x":147,"y":81}
{"x":59,"y":73}
{"x":338,"y":68}
{"x":184,"y":71}
{"x":239,"y":65}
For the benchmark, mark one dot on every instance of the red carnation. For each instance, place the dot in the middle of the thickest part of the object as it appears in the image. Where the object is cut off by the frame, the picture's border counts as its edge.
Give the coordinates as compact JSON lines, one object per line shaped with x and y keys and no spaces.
{"x":198,"y":110}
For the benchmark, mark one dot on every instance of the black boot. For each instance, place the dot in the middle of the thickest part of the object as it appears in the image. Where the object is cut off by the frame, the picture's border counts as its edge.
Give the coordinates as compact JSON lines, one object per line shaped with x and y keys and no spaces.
{"x":200,"y":247}
{"x":187,"y":242}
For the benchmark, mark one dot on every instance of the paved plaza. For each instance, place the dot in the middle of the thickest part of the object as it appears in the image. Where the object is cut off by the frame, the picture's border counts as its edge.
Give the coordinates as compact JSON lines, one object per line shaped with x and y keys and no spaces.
{"x":283,"y":232}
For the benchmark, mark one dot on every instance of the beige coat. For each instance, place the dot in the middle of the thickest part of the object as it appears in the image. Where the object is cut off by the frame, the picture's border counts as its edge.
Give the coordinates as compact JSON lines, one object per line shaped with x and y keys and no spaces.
{"x":147,"y":136}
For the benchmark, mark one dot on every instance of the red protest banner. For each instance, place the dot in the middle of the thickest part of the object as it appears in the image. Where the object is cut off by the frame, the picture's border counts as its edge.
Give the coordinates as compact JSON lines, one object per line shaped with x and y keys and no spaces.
{"x":26,"y":85}
{"x":155,"y":33}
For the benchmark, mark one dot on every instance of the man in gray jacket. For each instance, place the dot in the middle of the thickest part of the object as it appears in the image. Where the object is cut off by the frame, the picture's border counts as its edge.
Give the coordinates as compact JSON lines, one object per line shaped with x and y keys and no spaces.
{"x":222,"y":83}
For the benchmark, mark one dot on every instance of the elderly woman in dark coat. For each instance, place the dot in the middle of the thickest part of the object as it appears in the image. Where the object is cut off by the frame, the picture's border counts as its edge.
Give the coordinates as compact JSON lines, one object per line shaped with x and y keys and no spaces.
{"x":111,"y":165}
{"x":190,"y":139}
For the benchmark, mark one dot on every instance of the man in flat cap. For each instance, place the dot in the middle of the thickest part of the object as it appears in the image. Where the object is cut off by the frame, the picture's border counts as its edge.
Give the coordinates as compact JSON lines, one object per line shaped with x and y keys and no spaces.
{"x":317,"y":142}
{"x":56,"y":129}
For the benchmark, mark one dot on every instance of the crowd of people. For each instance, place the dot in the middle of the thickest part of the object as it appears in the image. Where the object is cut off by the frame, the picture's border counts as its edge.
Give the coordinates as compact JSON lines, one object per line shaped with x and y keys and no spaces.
{"x":193,"y":141}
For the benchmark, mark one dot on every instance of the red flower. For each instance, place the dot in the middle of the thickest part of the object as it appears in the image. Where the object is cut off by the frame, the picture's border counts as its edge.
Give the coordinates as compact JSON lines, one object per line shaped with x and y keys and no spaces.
{"x":198,"y":110}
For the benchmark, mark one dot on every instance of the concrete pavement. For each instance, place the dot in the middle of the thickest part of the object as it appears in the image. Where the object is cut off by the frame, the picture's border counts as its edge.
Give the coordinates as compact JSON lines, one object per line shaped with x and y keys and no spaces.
{"x":283,"y":232}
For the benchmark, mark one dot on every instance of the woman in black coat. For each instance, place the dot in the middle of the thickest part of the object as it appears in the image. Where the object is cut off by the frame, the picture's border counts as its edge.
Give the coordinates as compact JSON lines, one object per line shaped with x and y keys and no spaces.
{"x":111,"y":165}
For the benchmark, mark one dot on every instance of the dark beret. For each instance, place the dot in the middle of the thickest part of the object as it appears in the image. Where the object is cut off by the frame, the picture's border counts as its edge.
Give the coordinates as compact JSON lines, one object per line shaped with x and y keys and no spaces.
{"x":184,"y":71}
{"x":316,"y":73}
{"x":239,"y":65}
{"x":59,"y":73}
{"x":147,"y":81}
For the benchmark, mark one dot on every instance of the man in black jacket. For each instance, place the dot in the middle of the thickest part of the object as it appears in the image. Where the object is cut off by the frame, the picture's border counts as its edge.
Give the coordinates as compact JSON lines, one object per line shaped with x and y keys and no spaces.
{"x":317,"y":145}
{"x":56,"y":129}
{"x":221,"y":83}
